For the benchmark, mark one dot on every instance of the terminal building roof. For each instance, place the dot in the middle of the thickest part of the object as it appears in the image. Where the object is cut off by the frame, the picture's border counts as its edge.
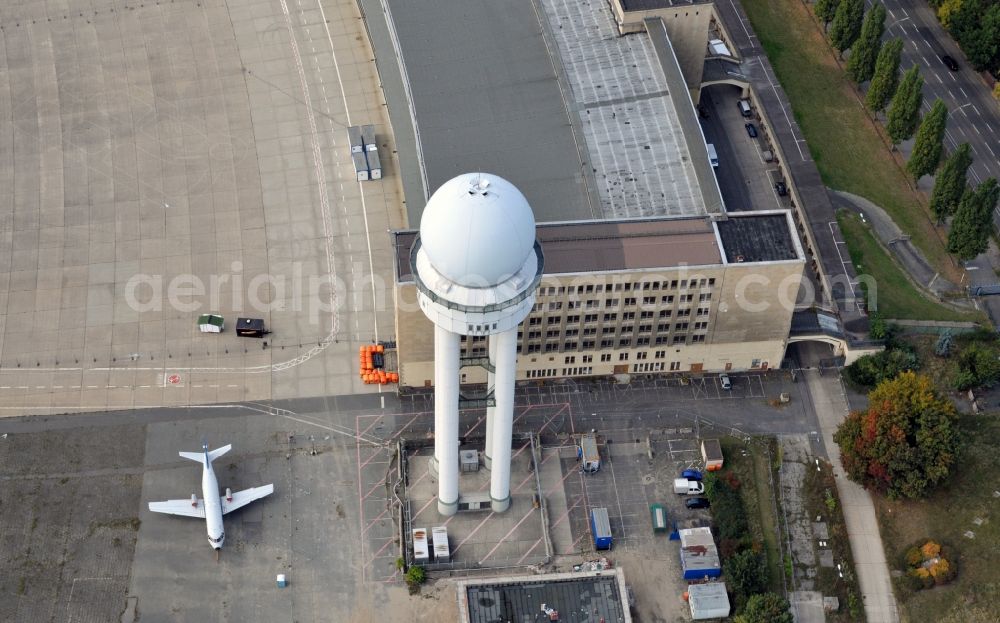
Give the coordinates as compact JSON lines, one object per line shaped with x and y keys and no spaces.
{"x":647,"y":244}
{"x":619,"y":138}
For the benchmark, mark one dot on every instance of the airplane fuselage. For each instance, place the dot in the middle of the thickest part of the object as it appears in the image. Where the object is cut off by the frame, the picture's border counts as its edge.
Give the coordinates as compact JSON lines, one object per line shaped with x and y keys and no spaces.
{"x":213,"y":506}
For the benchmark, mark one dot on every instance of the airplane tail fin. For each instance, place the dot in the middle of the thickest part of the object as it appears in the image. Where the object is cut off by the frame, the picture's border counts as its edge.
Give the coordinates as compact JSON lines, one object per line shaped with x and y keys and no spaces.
{"x":212,"y":455}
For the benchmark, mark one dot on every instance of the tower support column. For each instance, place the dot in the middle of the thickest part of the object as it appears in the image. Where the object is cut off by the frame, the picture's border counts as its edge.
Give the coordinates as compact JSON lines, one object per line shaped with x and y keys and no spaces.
{"x":503,"y":420}
{"x":446,"y":386}
{"x":491,"y":382}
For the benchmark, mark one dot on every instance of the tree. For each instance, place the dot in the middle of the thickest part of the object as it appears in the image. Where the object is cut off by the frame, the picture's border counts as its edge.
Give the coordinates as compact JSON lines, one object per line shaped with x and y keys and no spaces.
{"x":825,"y":10}
{"x":746,"y":575}
{"x":950,"y":183}
{"x":847,"y":24}
{"x":927,"y":150}
{"x":765,"y":608}
{"x":861,"y":65}
{"x":973,"y":222}
{"x":883,"y":85}
{"x":904,"y":114}
{"x":976,"y":27}
{"x":905,"y":443}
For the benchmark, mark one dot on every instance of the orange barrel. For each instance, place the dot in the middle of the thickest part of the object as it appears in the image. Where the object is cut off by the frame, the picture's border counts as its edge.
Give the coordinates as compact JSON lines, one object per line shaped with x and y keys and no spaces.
{"x":685,"y":596}
{"x":380,"y":349}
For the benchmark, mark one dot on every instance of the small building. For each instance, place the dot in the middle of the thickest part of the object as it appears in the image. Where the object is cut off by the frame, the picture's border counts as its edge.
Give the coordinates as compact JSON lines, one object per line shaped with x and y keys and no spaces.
{"x":699,"y":556}
{"x":711,"y":453}
{"x":589,"y":455}
{"x":708,"y":601}
{"x":592,"y":596}
{"x":211,"y":323}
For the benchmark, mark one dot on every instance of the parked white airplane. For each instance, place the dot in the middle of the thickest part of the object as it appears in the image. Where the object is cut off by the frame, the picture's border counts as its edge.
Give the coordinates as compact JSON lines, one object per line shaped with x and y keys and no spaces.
{"x":213,"y":506}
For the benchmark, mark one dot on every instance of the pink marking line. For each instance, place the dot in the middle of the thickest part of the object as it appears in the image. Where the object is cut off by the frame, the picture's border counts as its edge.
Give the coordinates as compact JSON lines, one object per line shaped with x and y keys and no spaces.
{"x":361,"y":506}
{"x":424,"y":507}
{"x":481,"y":524}
{"x":390,"y":578}
{"x":381,"y":549}
{"x":370,"y":459}
{"x":518,"y":487}
{"x":374,"y":489}
{"x":402,"y":430}
{"x":572,"y":547}
{"x":474,"y":426}
{"x":527,"y":553}
{"x":374,"y":422}
{"x":568,"y":474}
{"x":372,"y":523}
{"x":500,"y":542}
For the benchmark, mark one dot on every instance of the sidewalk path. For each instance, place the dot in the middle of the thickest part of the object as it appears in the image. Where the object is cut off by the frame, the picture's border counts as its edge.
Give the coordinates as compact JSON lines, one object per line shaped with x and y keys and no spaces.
{"x":893,"y":238}
{"x":859,"y":512}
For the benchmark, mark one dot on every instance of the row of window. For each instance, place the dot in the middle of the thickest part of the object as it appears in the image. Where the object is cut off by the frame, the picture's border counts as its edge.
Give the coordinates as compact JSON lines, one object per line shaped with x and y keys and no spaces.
{"x":625,"y":342}
{"x":535,"y":321}
{"x":627,"y":287}
{"x":629,"y":301}
{"x":663,"y":327}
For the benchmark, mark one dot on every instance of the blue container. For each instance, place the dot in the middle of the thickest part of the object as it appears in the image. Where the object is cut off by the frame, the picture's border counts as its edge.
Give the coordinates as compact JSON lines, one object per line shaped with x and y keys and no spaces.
{"x":600,"y":527}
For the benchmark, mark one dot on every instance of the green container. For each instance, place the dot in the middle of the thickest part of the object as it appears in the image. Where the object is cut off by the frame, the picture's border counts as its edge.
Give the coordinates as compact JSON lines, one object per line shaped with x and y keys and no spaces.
{"x":659,"y":516}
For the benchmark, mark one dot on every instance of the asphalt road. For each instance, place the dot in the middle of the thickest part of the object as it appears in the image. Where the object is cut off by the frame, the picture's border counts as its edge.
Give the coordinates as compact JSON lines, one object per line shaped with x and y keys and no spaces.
{"x":730,"y":170}
{"x":973,"y":117}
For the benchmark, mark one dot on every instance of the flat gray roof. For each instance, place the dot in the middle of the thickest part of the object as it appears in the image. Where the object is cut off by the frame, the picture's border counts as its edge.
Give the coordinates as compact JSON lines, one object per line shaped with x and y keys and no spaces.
{"x":487,"y":96}
{"x":749,"y":237}
{"x":598,"y":597}
{"x":648,"y":5}
{"x":486,"y":99}
{"x":595,"y":246}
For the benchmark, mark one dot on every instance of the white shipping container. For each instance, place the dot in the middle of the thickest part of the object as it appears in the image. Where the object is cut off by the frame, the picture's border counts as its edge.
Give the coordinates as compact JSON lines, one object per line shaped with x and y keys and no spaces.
{"x":442,"y":551}
{"x":420,"y":551}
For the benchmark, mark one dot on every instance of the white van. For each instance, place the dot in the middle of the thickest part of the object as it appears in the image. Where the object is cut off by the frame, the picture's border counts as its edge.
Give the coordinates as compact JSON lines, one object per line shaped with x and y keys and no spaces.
{"x":713,"y":156}
{"x":744,"y":106}
{"x":684,"y":486}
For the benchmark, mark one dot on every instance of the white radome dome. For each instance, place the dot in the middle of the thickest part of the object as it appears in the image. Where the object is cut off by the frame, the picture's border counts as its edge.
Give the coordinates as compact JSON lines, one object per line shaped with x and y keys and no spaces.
{"x":477,"y":230}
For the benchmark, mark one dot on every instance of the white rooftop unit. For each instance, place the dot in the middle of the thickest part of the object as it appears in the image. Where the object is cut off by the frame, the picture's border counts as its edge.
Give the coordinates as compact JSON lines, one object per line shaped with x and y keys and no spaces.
{"x":469,"y":460}
{"x":718,"y":47}
{"x":442,"y":552}
{"x":708,"y":601}
{"x":421,"y":553}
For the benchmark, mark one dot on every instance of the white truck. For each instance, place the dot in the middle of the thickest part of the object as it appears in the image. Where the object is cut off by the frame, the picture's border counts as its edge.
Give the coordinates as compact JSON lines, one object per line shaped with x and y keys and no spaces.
{"x":713,"y":156}
{"x":684,"y":486}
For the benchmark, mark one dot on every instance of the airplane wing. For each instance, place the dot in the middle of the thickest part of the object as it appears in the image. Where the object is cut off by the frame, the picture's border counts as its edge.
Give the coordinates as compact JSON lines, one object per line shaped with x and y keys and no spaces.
{"x":179,"y":507}
{"x":244,"y":497}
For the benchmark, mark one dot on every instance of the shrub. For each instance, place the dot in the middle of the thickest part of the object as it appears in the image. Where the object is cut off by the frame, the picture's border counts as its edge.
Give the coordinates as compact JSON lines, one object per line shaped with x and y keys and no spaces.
{"x":929,"y":564}
{"x":913,"y":557}
{"x":870,"y":370}
{"x":415,"y":576}
{"x":746,"y":575}
{"x":978,"y":366}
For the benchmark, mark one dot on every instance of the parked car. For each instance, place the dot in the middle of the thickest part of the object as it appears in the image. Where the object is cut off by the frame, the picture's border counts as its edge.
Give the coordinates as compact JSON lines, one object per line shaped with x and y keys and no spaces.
{"x":684,"y":486}
{"x":751,"y":130}
{"x":691,"y":474}
{"x":725,"y":382}
{"x":949,"y":62}
{"x":694,"y":503}
{"x":781,"y":189}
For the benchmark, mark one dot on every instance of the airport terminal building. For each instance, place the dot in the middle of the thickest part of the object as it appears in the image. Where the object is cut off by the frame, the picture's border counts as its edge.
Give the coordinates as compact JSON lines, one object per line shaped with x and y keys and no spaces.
{"x":646,"y":269}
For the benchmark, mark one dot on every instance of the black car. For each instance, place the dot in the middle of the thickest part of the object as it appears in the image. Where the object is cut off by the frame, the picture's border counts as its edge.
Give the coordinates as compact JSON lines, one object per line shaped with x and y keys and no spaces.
{"x":751,"y":130}
{"x":949,"y":62}
{"x":693,"y":503}
{"x":781,"y":189}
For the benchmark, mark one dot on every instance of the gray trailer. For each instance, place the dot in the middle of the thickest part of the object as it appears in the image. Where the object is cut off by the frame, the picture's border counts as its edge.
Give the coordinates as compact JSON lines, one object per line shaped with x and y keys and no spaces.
{"x":355,"y":139}
{"x":368,"y":137}
{"x":374,"y":165}
{"x":590,"y":457}
{"x":361,"y":166}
